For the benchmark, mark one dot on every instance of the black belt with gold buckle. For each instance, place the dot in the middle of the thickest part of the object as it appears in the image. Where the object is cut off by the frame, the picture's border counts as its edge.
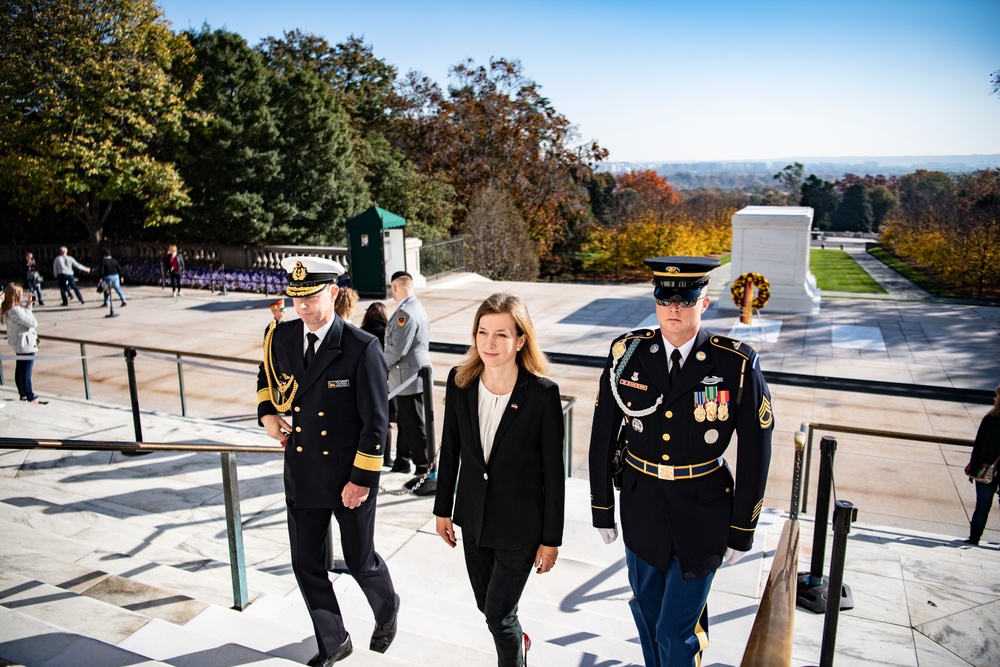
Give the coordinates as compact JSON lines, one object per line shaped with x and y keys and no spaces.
{"x":671,"y":473}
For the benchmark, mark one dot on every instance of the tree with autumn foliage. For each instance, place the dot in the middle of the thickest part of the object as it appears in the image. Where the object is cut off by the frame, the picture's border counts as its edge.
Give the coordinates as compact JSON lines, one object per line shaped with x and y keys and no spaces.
{"x":89,"y":91}
{"x":658,"y":198}
{"x":494,"y":128}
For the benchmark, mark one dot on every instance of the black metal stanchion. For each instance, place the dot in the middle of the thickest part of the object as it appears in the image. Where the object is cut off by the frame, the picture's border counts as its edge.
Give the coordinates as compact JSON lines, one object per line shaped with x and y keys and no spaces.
{"x":800,"y":446}
{"x":813,"y":588}
{"x":429,"y":485}
{"x":133,"y":393}
{"x":844,"y":514}
{"x":334,"y":564}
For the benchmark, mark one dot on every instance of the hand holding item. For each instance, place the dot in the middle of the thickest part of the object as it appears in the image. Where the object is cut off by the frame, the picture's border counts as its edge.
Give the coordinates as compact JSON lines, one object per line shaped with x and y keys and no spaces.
{"x":446,"y":529}
{"x":733,"y":556}
{"x":353,"y":495}
{"x":545,"y":558}
{"x":276,"y":428}
{"x":609,"y":535}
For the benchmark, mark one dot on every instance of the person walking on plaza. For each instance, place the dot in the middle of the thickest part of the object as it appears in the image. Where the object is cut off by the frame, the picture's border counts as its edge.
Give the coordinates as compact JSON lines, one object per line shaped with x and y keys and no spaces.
{"x":407,"y":349}
{"x":62,"y":268}
{"x":33,"y":278}
{"x":374,"y":322}
{"x":277,"y":310}
{"x":22,"y":335}
{"x":332,"y":378}
{"x":669,"y":401}
{"x":176,"y":262}
{"x":985,"y":454}
{"x":503,"y":429}
{"x":111,"y":274}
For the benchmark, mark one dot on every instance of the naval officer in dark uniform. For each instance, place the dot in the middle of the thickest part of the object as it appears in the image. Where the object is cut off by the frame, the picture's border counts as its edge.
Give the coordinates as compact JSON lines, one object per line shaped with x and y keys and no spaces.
{"x":669,"y":402}
{"x":331,"y":377}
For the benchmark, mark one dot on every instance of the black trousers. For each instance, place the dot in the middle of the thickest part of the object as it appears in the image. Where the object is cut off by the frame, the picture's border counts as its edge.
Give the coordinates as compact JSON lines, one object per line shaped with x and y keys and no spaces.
{"x":412,"y":439}
{"x":498,"y":577}
{"x":307,"y":531}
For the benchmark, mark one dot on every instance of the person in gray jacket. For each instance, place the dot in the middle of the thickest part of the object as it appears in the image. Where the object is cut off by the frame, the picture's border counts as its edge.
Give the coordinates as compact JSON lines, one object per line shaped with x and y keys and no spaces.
{"x":407,"y":348}
{"x":62,"y":268}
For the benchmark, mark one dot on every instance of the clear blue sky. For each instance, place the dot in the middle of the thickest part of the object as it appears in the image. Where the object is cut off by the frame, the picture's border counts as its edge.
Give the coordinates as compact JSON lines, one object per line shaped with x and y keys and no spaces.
{"x":695,"y":80}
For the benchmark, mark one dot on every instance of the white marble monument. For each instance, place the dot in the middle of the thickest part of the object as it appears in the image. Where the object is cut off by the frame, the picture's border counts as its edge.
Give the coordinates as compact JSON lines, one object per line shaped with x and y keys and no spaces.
{"x":774,"y":242}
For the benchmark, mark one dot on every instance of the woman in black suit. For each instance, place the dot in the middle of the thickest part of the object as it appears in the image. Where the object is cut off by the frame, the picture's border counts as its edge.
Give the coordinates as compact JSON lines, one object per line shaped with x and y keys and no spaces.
{"x":374,"y":323}
{"x":503,"y":426}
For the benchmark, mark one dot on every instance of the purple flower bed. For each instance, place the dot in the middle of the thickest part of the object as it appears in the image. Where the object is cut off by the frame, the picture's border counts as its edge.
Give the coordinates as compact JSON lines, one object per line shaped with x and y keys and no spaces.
{"x":261,"y":281}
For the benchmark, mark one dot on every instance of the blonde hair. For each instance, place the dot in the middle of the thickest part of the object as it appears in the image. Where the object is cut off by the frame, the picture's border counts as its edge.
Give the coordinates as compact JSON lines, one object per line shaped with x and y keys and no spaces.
{"x":345,"y":302}
{"x":995,"y":412}
{"x":12,"y":294}
{"x":530,"y":357}
{"x":172,"y":249}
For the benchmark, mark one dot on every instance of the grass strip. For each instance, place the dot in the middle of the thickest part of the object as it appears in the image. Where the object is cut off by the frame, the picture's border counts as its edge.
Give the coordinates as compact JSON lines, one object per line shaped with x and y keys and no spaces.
{"x":925,"y":282}
{"x":836,"y":271}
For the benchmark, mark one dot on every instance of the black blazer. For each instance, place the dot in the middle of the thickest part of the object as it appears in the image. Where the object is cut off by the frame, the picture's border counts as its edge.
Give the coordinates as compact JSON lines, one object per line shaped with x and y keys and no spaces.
{"x":339,"y":414}
{"x":516,"y":500}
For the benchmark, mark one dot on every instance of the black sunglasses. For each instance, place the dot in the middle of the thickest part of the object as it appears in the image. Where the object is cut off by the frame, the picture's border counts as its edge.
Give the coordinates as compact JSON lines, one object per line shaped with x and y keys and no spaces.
{"x":685,"y":298}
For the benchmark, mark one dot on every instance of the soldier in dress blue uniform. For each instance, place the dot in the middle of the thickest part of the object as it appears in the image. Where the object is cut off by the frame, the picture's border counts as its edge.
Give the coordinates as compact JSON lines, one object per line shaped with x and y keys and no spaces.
{"x":332,"y":379}
{"x":669,"y":402}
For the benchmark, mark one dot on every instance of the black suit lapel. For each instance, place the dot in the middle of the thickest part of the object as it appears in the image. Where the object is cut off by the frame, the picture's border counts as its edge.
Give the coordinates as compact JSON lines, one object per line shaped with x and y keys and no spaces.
{"x":693,"y":370}
{"x":653,"y":364}
{"x":472,"y":397}
{"x":514,"y":406}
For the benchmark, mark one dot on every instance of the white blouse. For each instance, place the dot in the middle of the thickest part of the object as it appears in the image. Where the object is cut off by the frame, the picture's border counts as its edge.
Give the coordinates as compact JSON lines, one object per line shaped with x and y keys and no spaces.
{"x":491,"y":409}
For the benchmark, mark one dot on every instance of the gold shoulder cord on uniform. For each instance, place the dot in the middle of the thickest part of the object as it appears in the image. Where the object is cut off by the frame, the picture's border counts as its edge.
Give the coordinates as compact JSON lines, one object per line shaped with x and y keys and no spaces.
{"x":272,"y":378}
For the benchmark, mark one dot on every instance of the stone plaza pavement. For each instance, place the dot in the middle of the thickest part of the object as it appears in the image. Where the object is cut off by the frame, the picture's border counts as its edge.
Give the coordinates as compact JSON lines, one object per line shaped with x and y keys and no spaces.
{"x":84,"y":530}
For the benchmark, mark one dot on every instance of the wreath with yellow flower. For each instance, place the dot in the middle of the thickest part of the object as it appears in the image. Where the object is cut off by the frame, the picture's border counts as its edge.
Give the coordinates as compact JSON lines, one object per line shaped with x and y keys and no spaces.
{"x":739,"y":286}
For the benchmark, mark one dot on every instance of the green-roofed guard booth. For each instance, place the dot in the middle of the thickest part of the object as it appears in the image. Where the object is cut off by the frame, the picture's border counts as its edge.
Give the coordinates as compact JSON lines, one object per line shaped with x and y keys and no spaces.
{"x":376,"y":246}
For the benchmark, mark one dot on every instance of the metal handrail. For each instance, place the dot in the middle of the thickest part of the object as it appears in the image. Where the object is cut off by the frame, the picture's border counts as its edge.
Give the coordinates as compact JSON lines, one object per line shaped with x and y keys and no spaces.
{"x":809,"y":427}
{"x":770,"y":643}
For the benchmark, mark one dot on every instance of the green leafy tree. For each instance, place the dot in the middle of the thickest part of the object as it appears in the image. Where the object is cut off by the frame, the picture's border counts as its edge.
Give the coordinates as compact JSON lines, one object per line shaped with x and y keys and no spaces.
{"x":320,"y":184}
{"x":230,"y":160}
{"x":884,"y":202}
{"x":822,"y":197}
{"x":927,"y":197}
{"x":854,"y":214}
{"x":87,"y":94}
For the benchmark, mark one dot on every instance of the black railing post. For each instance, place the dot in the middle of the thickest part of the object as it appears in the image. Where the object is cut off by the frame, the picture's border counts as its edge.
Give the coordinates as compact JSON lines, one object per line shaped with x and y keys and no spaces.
{"x":180,"y":384}
{"x":844,"y":513}
{"x":813,"y":590}
{"x":800,"y":445}
{"x":133,"y":393}
{"x":425,"y":377}
{"x":86,"y":376}
{"x":827,"y":450}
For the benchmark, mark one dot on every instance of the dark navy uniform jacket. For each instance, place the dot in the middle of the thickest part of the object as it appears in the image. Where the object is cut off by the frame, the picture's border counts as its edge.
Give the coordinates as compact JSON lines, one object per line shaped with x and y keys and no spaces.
{"x":339,"y":412}
{"x":700,"y":516}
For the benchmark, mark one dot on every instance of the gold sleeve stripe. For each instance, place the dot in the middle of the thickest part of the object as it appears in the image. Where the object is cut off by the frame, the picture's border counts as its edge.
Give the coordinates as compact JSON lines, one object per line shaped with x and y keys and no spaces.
{"x":766,"y":417}
{"x":749,"y":530}
{"x":368,"y":462}
{"x":598,"y":507}
{"x":263,"y":395}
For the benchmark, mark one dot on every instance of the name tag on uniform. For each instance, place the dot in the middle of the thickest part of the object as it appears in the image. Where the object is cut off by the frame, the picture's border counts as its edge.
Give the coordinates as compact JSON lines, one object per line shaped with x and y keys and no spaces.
{"x":338,"y":384}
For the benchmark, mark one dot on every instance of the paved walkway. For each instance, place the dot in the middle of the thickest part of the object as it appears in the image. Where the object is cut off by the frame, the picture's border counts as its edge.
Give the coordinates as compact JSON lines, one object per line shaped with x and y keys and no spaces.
{"x":902,"y":488}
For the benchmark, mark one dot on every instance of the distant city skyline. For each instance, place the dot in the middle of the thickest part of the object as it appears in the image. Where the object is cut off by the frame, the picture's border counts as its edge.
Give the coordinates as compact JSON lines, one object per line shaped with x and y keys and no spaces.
{"x":675,"y":81}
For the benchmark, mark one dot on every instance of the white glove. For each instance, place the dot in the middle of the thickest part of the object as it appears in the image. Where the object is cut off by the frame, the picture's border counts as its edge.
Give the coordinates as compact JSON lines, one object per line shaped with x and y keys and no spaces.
{"x":609,"y":535}
{"x":733,"y":556}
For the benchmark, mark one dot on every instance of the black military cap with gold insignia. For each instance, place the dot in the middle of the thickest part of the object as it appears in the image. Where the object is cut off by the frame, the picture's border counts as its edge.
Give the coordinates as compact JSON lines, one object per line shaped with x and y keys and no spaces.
{"x":680,"y":278}
{"x":309,"y":275}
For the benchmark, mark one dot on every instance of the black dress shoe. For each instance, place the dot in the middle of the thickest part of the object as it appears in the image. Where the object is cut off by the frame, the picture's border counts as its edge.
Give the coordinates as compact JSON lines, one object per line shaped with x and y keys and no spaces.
{"x":384,"y":634}
{"x":341,"y":652}
{"x":400,"y":466}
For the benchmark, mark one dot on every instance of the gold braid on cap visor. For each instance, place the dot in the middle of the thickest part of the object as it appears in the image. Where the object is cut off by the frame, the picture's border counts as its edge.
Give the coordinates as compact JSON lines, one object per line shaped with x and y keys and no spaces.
{"x":305,"y":289}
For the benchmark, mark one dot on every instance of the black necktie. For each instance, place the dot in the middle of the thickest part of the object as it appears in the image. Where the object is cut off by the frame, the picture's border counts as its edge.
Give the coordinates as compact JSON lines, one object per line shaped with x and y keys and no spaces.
{"x":310,"y":348}
{"x":675,"y":367}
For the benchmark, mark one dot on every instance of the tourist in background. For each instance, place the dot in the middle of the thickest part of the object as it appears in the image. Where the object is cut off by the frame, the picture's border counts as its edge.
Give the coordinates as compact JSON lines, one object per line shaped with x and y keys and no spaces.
{"x":985,"y":452}
{"x":176,"y":262}
{"x":22,"y":335}
{"x":503,"y":428}
{"x":111,"y":274}
{"x":33,"y":279}
{"x":62,"y":268}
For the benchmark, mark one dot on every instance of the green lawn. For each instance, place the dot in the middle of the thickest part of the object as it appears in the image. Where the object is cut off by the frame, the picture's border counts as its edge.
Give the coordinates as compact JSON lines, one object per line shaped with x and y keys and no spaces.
{"x":926,"y":283}
{"x":835,"y":271}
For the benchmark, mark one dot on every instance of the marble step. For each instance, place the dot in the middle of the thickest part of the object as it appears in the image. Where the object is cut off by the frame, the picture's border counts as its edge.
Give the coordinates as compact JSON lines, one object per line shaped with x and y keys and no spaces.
{"x":152,"y":638}
{"x":26,"y":640}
